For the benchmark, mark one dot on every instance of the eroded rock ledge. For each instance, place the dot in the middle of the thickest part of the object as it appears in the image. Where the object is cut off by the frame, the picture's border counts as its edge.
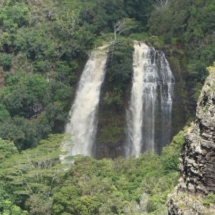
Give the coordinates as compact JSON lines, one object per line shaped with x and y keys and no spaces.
{"x":197,"y":162}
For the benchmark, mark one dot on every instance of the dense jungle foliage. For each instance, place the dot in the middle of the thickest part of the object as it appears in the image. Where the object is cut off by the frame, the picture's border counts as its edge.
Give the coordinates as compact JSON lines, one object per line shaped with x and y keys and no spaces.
{"x":43,"y":49}
{"x":35,"y":181}
{"x":44,"y":46}
{"x":189,"y":26}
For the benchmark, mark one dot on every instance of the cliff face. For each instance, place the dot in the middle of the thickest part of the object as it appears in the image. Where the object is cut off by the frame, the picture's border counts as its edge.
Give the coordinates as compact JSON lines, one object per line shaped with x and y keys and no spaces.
{"x":197,"y":162}
{"x":115,"y":98}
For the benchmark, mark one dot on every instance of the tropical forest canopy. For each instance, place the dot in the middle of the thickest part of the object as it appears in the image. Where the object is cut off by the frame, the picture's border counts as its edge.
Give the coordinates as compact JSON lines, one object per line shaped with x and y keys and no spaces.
{"x":43,"y":48}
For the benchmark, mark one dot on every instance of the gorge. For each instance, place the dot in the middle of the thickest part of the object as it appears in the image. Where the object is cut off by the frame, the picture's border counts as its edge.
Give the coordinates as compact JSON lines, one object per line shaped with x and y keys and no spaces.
{"x":149,"y":114}
{"x":129,"y":100}
{"x":194,"y":193}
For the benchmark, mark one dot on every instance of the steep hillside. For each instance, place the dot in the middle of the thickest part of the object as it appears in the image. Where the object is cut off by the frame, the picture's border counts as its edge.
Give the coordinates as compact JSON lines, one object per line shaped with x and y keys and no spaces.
{"x":195,"y":191}
{"x":44,"y":46}
{"x":43,"y":49}
{"x":188,"y":25}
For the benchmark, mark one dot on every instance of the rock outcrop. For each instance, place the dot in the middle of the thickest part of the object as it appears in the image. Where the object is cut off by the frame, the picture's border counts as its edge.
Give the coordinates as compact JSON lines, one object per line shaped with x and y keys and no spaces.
{"x":197,"y":162}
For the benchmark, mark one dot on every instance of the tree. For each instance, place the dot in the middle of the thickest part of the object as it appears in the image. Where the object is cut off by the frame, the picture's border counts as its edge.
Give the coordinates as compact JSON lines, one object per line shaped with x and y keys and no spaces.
{"x":7,"y":149}
{"x":38,"y":204}
{"x":119,"y":28}
{"x":7,"y":208}
{"x":34,"y":171}
{"x":139,"y":10}
{"x":14,"y":15}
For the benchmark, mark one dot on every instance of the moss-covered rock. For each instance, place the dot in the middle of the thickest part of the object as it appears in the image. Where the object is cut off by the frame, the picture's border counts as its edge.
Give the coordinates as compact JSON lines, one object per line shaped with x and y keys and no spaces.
{"x":114,"y":98}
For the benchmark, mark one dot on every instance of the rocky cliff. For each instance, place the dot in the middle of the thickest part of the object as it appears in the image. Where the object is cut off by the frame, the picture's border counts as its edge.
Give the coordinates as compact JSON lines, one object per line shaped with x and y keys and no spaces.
{"x":194,"y":193}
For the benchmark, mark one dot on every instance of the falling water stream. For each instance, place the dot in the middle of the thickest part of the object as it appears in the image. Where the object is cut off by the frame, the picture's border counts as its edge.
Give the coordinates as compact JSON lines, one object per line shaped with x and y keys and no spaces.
{"x":149,"y":114}
{"x":150,"y":111}
{"x":83,"y":122}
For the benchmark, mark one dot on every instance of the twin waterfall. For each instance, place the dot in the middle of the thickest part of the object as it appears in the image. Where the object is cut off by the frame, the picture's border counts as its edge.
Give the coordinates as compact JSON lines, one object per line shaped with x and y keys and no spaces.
{"x":150,"y":109}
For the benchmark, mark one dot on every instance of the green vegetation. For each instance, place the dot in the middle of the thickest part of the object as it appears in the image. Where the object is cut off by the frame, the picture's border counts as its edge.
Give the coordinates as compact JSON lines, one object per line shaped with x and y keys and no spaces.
{"x":210,"y":199}
{"x":7,"y":207}
{"x":36,"y":181}
{"x":189,"y":26}
{"x":43,"y":48}
{"x":115,"y":94}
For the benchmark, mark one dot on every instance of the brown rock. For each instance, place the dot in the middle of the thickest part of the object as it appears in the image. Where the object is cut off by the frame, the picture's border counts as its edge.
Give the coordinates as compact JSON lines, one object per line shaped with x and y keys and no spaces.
{"x":197,"y":162}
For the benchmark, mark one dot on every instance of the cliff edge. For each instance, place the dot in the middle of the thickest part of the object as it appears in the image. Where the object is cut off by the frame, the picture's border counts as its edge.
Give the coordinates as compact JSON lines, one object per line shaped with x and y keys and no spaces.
{"x":194,"y":194}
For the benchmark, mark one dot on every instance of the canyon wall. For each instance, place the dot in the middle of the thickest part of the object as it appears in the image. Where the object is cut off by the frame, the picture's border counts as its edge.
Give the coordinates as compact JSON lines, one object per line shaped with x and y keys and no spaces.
{"x":115,"y":97}
{"x":194,"y":193}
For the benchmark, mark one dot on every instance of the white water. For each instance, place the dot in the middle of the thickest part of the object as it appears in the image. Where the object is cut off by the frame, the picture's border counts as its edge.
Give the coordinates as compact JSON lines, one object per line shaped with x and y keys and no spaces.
{"x":83,"y":122}
{"x":135,"y":113}
{"x":166,"y":93}
{"x":150,"y":110}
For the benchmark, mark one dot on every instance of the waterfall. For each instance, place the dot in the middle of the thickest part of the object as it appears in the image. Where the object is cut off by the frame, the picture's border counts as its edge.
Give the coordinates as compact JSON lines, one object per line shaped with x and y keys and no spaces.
{"x":150,"y":110}
{"x":83,"y":122}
